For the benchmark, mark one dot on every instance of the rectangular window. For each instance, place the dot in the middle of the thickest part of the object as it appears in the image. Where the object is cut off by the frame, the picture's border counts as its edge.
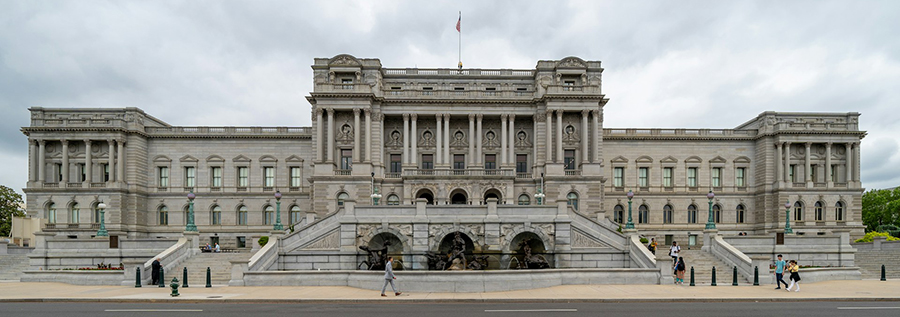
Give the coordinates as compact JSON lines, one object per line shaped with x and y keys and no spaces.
{"x":396,"y":163}
{"x":346,"y":159}
{"x":619,"y":176}
{"x":643,"y":176}
{"x":163,"y":176}
{"x":216,"y":176}
{"x":59,"y":171}
{"x":427,"y":161}
{"x":667,"y":176}
{"x":243,"y":176}
{"x":717,"y":177}
{"x":490,"y":161}
{"x":812,"y":173}
{"x":459,"y":161}
{"x":105,"y":172}
{"x":568,"y":84}
{"x":296,"y":181}
{"x":83,"y":173}
{"x":521,"y":163}
{"x":832,"y":174}
{"x":189,"y":176}
{"x":569,"y":159}
{"x":347,"y":83}
{"x":739,"y":177}
{"x":791,"y":173}
{"x":241,"y":242}
{"x":692,"y":177}
{"x":269,"y":176}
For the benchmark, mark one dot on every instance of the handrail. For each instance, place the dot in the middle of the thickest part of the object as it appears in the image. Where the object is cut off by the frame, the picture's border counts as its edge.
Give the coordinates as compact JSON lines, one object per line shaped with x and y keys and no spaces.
{"x":169,"y":258}
{"x":265,"y":256}
{"x":640,"y":254}
{"x":606,"y":234}
{"x":732,"y":256}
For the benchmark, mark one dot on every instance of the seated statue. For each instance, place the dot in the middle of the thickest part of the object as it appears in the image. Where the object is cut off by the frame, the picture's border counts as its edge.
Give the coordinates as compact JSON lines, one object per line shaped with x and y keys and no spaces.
{"x":456,"y":265}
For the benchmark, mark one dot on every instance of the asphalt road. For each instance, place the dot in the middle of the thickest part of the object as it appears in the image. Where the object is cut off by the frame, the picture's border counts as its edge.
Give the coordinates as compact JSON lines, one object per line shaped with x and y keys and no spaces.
{"x":695,"y":309}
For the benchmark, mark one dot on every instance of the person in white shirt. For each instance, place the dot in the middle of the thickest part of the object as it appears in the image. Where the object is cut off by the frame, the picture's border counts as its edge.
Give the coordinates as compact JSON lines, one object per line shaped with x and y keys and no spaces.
{"x":673,"y":252}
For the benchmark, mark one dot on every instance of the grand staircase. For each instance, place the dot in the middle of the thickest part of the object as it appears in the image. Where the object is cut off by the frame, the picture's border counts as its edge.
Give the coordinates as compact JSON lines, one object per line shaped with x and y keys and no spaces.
{"x":870,"y":261}
{"x":703,"y":263}
{"x":218,"y":263}
{"x":12,"y":265}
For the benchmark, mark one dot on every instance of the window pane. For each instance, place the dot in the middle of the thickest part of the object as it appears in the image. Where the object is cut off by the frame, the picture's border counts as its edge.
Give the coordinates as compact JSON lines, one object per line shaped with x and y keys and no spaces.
{"x":189,"y":177}
{"x":644,"y":182}
{"x":459,"y":161}
{"x":269,"y":180}
{"x":667,"y":177}
{"x":569,"y":159}
{"x":490,"y":161}
{"x":521,"y":163}
{"x":243,"y":176}
{"x":295,"y":177}
{"x":692,"y":177}
{"x":619,"y":176}
{"x":163,"y":177}
{"x":716,"y":174}
{"x":396,"y":163}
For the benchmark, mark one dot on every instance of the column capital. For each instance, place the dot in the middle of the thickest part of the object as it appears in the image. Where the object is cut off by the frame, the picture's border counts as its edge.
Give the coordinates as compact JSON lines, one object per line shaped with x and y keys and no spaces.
{"x":512,"y":116}
{"x":471,"y":117}
{"x":356,"y":111}
{"x":64,"y":141}
{"x":549,"y":112}
{"x":413,"y":116}
{"x":87,"y":141}
{"x":829,"y":143}
{"x":330,"y":111}
{"x":808,"y":144}
{"x":439,"y":116}
{"x":405,"y":117}
{"x":585,"y":112}
{"x":479,"y":116}
{"x":110,"y":140}
{"x":367,"y":111}
{"x":318,"y":111}
{"x":503,"y":116}
{"x":447,"y":117}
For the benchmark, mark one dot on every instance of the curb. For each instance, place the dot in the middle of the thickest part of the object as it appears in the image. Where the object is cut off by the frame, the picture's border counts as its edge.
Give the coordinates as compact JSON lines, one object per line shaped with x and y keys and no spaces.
{"x":425,"y":300}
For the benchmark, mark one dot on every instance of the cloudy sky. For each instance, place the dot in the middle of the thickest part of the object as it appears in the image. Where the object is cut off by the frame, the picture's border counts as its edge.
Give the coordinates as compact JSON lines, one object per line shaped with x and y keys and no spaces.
{"x":709,"y":64}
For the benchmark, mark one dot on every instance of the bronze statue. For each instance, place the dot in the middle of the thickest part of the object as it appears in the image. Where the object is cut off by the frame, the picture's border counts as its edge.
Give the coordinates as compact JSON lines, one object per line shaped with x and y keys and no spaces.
{"x":376,"y":257}
{"x":436,"y":261}
{"x":478,"y":263}
{"x":530,"y":261}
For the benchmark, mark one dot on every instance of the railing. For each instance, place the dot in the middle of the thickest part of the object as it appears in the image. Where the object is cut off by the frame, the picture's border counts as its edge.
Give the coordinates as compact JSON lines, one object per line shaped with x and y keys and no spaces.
{"x":231,"y":130}
{"x":171,"y":258}
{"x":265,"y":256}
{"x":390,"y":72}
{"x":294,"y":189}
{"x":50,"y":225}
{"x":801,"y":185}
{"x":72,"y":226}
{"x":458,"y":94}
{"x":215,"y":189}
{"x":268,"y":189}
{"x":573,"y":172}
{"x":98,"y":185}
{"x":569,"y":89}
{"x":343,"y":88}
{"x":819,"y":185}
{"x":241,"y":189}
{"x":523,"y":175}
{"x":188,"y":188}
{"x":74,"y":185}
{"x":678,"y":133}
{"x":51,"y":185}
{"x":342,"y":172}
{"x":465,"y":172}
{"x":162,"y":189}
{"x":392,"y":175}
{"x":640,"y":254}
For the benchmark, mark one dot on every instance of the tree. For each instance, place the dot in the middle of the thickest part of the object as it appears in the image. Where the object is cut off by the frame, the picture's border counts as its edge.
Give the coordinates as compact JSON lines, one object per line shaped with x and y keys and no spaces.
{"x":881,"y":207}
{"x":10,"y":206}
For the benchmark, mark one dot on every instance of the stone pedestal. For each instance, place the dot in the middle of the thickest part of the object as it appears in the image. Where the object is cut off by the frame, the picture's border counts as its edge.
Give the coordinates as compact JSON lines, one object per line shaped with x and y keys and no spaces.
{"x":238,"y":267}
{"x":193,"y":241}
{"x":708,"y":235}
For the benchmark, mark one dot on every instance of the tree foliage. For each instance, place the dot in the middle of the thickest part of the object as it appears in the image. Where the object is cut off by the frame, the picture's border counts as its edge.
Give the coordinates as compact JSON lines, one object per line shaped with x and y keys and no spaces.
{"x":10,"y":206}
{"x":881,"y":207}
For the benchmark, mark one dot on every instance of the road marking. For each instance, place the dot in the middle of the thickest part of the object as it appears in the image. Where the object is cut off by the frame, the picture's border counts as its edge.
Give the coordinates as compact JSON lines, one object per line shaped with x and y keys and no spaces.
{"x":153,"y":310}
{"x":868,"y":308}
{"x":528,"y":310}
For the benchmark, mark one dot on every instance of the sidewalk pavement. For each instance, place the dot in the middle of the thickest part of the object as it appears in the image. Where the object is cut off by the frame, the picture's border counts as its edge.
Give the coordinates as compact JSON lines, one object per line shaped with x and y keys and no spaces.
{"x":860,"y":290}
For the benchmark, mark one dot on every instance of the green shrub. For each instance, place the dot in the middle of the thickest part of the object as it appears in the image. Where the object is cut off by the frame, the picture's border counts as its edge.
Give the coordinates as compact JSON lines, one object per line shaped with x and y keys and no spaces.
{"x":263,"y":240}
{"x":871,"y":235}
{"x":644,"y":240}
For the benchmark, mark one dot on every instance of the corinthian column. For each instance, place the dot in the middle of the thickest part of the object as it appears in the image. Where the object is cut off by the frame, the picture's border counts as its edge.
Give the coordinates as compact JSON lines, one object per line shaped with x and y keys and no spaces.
{"x":559,"y":133}
{"x":120,"y":167}
{"x":65,"y":163}
{"x":42,"y":165}
{"x":329,"y":148}
{"x":503,"y":138}
{"x":414,"y":140}
{"x":111,"y":165}
{"x":471,"y":160}
{"x":405,"y":138}
{"x":585,"y":139}
{"x":779,"y":168}
{"x":511,"y":157}
{"x":88,"y":164}
{"x":320,"y":137}
{"x":548,"y":132}
{"x":369,"y":134}
{"x":447,"y":160}
{"x":480,"y":156}
{"x":597,"y":135}
{"x":438,"y":143}
{"x":356,"y":135}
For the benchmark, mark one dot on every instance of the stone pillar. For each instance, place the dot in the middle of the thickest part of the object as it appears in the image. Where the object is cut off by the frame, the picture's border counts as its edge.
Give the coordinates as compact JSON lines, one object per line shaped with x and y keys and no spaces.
{"x":849,"y":160}
{"x":88,"y":165}
{"x":414,"y":140}
{"x":329,"y":147}
{"x":356,"y":135}
{"x":856,"y":161}
{"x":597,"y":135}
{"x":548,"y":131}
{"x":806,"y":170}
{"x":405,"y":138}
{"x":120,"y":167}
{"x":369,"y":138}
{"x":447,"y":137}
{"x":479,"y":156}
{"x":503,"y":139}
{"x":787,"y":163}
{"x":320,"y":137}
{"x":828,"y":170}
{"x":112,"y":160}
{"x":65,"y":163}
{"x":42,"y":165}
{"x":471,"y":160}
{"x":585,"y":139}
{"x":779,"y":166}
{"x":438,"y":157}
{"x":559,"y":134}
{"x":511,"y":157}
{"x":32,"y":158}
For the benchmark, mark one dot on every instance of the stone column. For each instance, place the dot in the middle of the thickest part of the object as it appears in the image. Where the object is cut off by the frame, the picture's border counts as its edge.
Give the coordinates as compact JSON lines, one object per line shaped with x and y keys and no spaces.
{"x":447,"y":137}
{"x":597,"y":135}
{"x":369,"y":134}
{"x":438,"y":143}
{"x":511,"y":157}
{"x":534,"y":147}
{"x":548,"y":131}
{"x":787,"y":163}
{"x":120,"y":167}
{"x":471,"y":160}
{"x":779,"y":166}
{"x":329,"y":147}
{"x":42,"y":165}
{"x":806,"y":169}
{"x":480,"y":156}
{"x":111,"y":166}
{"x":65,"y":163}
{"x":585,"y":139}
{"x":32,"y":158}
{"x":88,"y":165}
{"x":405,"y":138}
{"x":856,"y":161}
{"x":849,"y":160}
{"x":503,"y":139}
{"x":356,"y":135}
{"x":559,"y":133}
{"x":414,"y":140}
{"x":320,"y":137}
{"x":828,"y":170}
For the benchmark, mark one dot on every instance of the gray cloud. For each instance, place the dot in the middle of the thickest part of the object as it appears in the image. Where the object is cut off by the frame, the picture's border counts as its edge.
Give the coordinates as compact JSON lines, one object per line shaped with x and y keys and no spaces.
{"x":668,"y":64}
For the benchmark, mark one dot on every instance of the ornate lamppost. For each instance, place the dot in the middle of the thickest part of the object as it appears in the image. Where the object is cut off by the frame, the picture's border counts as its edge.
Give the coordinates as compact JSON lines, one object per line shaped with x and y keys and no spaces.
{"x":630,"y":223}
{"x":102,"y":232}
{"x":277,"y":226}
{"x":787,"y":217}
{"x":540,"y":192}
{"x":190,"y":224}
{"x":710,"y":224}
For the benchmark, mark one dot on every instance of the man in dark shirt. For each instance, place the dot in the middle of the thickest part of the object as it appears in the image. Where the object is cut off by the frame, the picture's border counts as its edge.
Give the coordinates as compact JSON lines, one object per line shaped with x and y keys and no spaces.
{"x":154,"y":271}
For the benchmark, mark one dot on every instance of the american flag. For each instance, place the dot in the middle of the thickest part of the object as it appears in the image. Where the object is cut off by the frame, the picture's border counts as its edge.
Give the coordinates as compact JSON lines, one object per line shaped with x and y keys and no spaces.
{"x":457,"y":23}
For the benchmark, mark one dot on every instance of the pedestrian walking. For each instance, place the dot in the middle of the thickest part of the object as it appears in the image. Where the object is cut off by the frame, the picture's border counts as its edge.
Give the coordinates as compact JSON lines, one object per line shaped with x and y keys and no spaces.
{"x":794,"y":268}
{"x":154,"y":271}
{"x":779,"y":273}
{"x":652,"y":246}
{"x":673,"y":252}
{"x":679,"y":271}
{"x":389,"y":277}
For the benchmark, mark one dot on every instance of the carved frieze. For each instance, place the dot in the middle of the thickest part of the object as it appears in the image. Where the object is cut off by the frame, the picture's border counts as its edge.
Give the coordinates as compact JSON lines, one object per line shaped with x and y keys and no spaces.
{"x":330,"y":241}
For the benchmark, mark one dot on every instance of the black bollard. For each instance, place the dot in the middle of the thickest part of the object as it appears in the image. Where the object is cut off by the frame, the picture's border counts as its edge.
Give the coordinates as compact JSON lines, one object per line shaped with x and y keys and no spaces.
{"x":137,"y":277}
{"x":692,"y":275}
{"x":734,"y":277}
{"x":184,"y":278}
{"x":162,"y":279}
{"x":208,"y":278}
{"x":713,"y":277}
{"x":883,"y":275}
{"x":755,"y":276}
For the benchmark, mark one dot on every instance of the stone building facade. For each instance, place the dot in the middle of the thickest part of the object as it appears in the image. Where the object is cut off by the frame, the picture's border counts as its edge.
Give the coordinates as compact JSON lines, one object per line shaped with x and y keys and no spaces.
{"x":451,"y":137}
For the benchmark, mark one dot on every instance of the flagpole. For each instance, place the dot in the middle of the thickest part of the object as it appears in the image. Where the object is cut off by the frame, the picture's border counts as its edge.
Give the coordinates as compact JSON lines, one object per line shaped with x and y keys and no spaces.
{"x":459,"y":45}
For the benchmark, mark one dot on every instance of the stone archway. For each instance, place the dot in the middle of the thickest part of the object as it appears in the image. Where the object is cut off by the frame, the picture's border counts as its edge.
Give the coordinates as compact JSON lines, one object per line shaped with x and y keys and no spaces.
{"x":529,"y":251}
{"x":427,"y":194}
{"x":459,"y":197}
{"x":395,"y":249}
{"x":493,"y":193}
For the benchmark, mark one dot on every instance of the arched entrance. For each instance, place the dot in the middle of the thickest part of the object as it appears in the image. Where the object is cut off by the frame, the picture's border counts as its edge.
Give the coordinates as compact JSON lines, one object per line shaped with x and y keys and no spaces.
{"x":427,"y":194}
{"x":380,"y":247}
{"x":458,"y":197}
{"x":529,"y":251}
{"x":493,"y":193}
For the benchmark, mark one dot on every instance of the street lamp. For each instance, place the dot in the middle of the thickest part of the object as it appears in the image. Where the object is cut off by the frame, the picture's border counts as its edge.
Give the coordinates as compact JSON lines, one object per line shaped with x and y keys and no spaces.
{"x":787,"y":217}
{"x":190,"y":224}
{"x":710,"y":224}
{"x":540,"y":192}
{"x":375,"y":195}
{"x":102,"y":232}
{"x":277,"y":226}
{"x":629,"y":224}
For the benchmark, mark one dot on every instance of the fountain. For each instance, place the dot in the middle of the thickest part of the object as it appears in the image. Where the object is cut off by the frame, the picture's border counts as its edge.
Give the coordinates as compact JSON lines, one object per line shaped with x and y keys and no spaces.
{"x":530,"y":261}
{"x":376,"y":257}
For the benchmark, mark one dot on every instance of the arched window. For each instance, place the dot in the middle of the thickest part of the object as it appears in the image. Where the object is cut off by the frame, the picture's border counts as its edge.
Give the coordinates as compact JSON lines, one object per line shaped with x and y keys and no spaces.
{"x":215,"y":215}
{"x":839,"y":211}
{"x":692,"y":213}
{"x":798,"y":211}
{"x":643,"y":214}
{"x":269,"y":215}
{"x":739,"y":213}
{"x":242,"y":215}
{"x":295,"y":214}
{"x":95,"y":213}
{"x":667,"y":214}
{"x":717,"y":213}
{"x":524,"y":200}
{"x":573,"y":200}
{"x":341,"y":198}
{"x":619,"y":214}
{"x":393,"y":200}
{"x":163,"y":215}
{"x":73,"y":213}
{"x":820,"y":211}
{"x":51,"y":213}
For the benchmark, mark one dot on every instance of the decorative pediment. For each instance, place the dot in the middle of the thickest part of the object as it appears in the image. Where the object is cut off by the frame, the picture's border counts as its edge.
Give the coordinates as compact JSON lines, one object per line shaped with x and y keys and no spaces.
{"x":742,"y":159}
{"x":669,"y":159}
{"x":572,"y":62}
{"x":188,"y":158}
{"x":718,"y":159}
{"x":241,"y":158}
{"x":644,"y":159}
{"x":619,"y":159}
{"x":426,"y":139}
{"x":693,"y":159}
{"x":394,"y":140}
{"x":294,"y":158}
{"x":215,"y":158}
{"x":522,"y":139}
{"x":490,"y":139}
{"x":344,"y":60}
{"x":162,"y":159}
{"x":268,"y":159}
{"x":459,"y":139}
{"x":345,"y":135}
